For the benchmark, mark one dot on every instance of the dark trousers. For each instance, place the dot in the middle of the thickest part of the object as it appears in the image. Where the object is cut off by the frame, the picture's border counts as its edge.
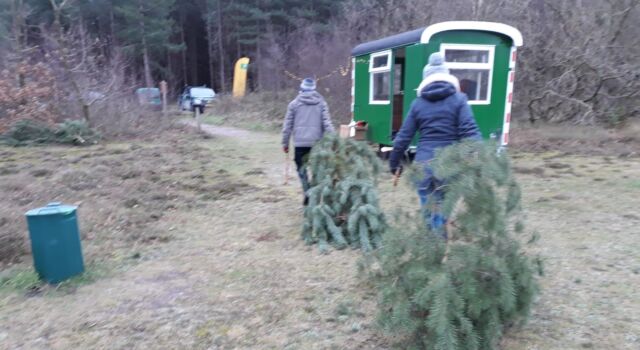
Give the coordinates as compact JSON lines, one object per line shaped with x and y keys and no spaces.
{"x":301,"y":158}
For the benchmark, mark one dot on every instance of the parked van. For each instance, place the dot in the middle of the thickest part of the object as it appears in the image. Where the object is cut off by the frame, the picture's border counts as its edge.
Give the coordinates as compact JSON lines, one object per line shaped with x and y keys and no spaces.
{"x":195,"y":97}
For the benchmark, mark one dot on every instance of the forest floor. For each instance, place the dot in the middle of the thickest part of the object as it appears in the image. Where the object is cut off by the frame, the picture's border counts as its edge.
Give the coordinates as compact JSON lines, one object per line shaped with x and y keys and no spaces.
{"x":193,"y":242}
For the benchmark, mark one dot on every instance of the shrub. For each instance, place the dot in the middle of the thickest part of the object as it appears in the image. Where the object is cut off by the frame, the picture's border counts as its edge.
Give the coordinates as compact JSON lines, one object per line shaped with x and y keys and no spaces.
{"x":27,"y":90}
{"x":460,"y":293}
{"x":28,"y":132}
{"x":75,"y":132}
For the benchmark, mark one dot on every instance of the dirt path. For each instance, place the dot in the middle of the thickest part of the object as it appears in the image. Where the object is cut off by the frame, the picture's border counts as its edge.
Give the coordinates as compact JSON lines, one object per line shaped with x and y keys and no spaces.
{"x":226,"y":131}
{"x":235,"y":274}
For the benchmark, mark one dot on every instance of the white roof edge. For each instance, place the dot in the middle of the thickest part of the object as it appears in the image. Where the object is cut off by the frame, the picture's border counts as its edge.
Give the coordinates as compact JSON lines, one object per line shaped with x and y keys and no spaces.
{"x":501,"y":28}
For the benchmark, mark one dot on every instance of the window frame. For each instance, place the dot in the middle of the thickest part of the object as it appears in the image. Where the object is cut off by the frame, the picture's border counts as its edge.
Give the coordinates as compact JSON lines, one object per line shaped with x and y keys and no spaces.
{"x":384,"y":69}
{"x":473,"y":65}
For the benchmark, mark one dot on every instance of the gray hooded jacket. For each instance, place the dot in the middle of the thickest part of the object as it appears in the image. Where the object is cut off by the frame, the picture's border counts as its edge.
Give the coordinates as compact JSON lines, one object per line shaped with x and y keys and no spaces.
{"x":307,"y":118}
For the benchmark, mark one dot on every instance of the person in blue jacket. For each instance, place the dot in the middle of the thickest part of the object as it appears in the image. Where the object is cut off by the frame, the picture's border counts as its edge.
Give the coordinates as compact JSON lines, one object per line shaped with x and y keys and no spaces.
{"x":441,"y":116}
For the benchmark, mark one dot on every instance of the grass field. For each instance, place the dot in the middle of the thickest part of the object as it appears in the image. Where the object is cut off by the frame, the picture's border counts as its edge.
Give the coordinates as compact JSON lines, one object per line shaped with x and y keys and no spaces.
{"x":193,"y":242}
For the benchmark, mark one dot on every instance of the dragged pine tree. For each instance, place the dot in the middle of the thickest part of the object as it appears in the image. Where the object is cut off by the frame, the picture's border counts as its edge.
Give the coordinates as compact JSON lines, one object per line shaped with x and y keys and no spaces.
{"x":343,"y":205}
{"x":463,"y":292}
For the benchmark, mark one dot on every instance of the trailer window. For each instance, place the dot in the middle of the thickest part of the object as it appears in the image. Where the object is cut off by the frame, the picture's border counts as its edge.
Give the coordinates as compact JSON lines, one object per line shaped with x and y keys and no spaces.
{"x":380,"y":75}
{"x":473,"y":66}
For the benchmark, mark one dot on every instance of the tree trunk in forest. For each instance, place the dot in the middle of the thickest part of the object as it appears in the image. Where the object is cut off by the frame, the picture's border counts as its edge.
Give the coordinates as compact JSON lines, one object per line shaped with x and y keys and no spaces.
{"x":210,"y":43}
{"x":17,"y":29}
{"x":148,"y":81}
{"x":221,"y":49}
{"x":193,"y":59}
{"x":112,"y":27}
{"x":184,"y":51}
{"x":258,"y":65}
{"x":169,"y":77}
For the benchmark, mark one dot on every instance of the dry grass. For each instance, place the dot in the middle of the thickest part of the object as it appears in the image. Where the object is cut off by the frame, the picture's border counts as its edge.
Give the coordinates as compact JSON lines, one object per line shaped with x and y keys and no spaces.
{"x":122,"y":189}
{"x":256,"y":111}
{"x":234,"y":273}
{"x":575,"y":139}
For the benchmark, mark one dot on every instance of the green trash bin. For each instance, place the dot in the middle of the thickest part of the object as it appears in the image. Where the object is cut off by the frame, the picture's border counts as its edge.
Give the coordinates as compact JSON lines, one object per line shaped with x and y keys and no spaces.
{"x":55,"y":242}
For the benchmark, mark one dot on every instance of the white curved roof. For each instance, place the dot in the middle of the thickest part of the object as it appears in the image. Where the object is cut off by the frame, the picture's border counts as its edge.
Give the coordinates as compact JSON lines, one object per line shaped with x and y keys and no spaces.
{"x":507,"y":30}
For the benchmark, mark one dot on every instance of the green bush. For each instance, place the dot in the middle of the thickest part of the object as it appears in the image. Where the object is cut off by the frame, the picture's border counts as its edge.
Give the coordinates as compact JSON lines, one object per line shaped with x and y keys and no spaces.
{"x":460,"y":293}
{"x":75,"y":132}
{"x":27,"y":132}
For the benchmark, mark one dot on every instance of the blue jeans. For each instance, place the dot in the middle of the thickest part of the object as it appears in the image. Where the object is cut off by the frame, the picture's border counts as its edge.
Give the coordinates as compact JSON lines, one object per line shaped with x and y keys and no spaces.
{"x":431,"y":194}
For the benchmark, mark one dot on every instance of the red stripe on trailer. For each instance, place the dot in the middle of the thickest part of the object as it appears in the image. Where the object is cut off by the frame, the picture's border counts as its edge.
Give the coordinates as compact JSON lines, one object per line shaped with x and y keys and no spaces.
{"x":512,"y":61}
{"x":507,"y":107}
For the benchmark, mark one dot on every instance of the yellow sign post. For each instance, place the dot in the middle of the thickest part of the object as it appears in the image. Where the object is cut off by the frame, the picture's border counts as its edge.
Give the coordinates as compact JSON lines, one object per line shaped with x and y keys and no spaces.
{"x":240,"y":77}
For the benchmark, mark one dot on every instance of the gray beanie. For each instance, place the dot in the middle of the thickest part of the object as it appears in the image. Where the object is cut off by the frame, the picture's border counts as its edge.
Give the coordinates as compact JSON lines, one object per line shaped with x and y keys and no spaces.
{"x":308,"y":84}
{"x":436,"y":65}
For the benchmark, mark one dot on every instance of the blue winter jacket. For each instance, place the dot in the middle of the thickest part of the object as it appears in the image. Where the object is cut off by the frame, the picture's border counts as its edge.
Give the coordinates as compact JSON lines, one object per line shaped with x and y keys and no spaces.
{"x":441,"y":116}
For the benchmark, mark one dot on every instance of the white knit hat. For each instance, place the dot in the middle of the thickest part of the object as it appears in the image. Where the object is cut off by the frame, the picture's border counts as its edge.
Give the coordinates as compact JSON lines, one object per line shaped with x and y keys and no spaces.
{"x":308,"y":84}
{"x":436,"y":65}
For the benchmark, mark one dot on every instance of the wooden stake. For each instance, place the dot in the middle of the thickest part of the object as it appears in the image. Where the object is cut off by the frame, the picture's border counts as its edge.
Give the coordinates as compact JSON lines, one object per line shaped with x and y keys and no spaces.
{"x":163,"y":90}
{"x":396,"y":177}
{"x":286,"y":168}
{"x":196,"y":110}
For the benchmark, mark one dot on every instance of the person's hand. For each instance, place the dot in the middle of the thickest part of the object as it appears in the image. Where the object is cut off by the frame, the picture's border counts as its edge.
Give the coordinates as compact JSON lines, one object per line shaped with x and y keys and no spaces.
{"x":285,"y":149}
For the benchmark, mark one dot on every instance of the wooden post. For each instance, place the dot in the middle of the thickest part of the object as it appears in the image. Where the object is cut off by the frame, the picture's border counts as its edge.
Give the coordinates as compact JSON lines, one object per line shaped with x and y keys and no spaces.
{"x":197,"y":114}
{"x":396,"y":177}
{"x":163,"y":91}
{"x":286,"y":168}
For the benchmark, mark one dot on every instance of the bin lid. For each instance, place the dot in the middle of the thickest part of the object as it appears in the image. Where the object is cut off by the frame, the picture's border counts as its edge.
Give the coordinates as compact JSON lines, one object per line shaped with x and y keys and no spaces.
{"x":52,"y":208}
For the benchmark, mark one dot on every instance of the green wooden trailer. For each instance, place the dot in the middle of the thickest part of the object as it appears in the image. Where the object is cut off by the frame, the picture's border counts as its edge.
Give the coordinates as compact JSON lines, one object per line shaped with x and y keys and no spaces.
{"x":387,"y":72}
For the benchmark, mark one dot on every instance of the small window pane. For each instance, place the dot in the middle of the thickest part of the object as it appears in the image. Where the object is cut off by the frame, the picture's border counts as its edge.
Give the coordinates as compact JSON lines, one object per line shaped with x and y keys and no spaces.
{"x":467,"y":56}
{"x":380,"y":83}
{"x":380,"y":61}
{"x":473,"y":82}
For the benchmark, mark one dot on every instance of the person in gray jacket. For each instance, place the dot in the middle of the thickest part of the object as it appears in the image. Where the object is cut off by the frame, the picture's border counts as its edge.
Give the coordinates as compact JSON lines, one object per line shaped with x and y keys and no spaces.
{"x":307,"y":120}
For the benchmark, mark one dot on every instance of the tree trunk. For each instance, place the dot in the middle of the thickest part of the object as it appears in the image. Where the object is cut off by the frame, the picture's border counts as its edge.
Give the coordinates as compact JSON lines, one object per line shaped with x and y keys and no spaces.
{"x":112,"y":27}
{"x":210,"y":43}
{"x":17,"y":29}
{"x":183,"y":56}
{"x":193,"y":58}
{"x":221,"y":49}
{"x":258,"y":65}
{"x":148,"y":81}
{"x":86,"y":113}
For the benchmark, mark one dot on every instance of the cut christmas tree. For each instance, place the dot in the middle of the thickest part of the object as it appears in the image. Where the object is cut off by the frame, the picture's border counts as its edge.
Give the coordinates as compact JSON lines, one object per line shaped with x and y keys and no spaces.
{"x":343,"y":205}
{"x":463,"y":292}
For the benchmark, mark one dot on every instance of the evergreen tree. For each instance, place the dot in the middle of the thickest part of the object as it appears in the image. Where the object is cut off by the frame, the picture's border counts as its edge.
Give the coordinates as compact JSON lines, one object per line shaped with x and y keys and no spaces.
{"x":5,"y":24}
{"x":147,"y":31}
{"x":343,"y":201}
{"x":460,"y":293}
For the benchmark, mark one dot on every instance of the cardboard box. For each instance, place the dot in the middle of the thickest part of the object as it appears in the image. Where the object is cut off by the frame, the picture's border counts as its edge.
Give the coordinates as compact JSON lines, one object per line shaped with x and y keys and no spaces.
{"x":345,"y":131}
{"x":358,"y":133}
{"x":361,"y":133}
